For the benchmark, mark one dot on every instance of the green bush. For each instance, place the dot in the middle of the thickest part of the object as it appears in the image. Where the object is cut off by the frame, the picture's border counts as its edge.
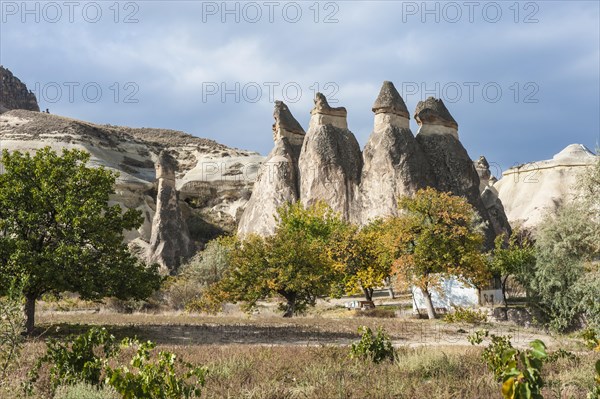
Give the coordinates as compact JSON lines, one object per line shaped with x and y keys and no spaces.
{"x":374,"y":347}
{"x":85,"y":391}
{"x":522,"y":375}
{"x":465,"y":315}
{"x":493,"y":354}
{"x":158,"y":378}
{"x":80,"y":358}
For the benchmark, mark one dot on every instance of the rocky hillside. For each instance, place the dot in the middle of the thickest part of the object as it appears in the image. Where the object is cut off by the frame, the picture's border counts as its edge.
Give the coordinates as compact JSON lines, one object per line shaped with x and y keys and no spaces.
{"x":208,"y":184}
{"x":531,"y":190}
{"x":14,"y":94}
{"x":363,"y":185}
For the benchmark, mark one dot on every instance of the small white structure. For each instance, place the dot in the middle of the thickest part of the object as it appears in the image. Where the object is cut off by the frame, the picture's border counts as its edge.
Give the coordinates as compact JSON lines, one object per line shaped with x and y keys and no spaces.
{"x":455,"y":293}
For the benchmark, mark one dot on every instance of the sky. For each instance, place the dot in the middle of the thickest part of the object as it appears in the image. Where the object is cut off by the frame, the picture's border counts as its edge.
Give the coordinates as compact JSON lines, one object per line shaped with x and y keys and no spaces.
{"x":522,"y":79}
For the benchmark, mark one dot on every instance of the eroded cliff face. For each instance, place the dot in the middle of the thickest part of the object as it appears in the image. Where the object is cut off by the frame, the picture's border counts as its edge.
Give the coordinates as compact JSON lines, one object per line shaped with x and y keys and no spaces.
{"x":394,"y":164}
{"x":330,"y":161}
{"x":277,"y":181}
{"x":532,"y":190}
{"x":14,"y":94}
{"x":214,"y":182}
{"x":365,"y":186}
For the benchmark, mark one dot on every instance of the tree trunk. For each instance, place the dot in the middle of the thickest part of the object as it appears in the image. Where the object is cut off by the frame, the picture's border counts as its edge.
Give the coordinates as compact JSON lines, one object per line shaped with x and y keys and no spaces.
{"x":504,"y":291}
{"x":290,"y":307}
{"x":29,"y":313}
{"x":429,"y":304}
{"x":368,"y":294}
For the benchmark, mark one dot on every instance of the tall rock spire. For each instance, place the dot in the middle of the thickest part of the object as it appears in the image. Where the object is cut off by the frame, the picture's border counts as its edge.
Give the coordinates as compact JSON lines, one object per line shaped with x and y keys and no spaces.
{"x":450,"y":163}
{"x":277,"y":181}
{"x":330,"y":162}
{"x":394,"y":164}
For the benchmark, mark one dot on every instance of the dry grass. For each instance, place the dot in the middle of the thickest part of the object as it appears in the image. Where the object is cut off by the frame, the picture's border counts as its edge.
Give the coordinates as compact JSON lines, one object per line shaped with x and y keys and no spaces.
{"x":248,"y":371}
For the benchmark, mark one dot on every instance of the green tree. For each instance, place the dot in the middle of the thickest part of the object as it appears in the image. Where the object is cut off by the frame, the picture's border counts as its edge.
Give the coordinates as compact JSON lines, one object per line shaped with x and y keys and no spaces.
{"x":58,"y":231}
{"x":513,"y":258}
{"x":361,"y":257}
{"x":208,"y":266}
{"x":437,"y":236}
{"x":567,"y":273}
{"x":293,"y":264}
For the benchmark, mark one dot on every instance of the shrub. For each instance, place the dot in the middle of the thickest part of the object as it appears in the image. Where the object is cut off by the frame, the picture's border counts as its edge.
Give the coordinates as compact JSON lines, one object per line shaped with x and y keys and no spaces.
{"x":522,"y":375}
{"x":591,"y":339}
{"x":155,"y":379}
{"x":374,"y":347}
{"x":493,"y":354}
{"x":78,"y":359}
{"x":12,"y":325}
{"x":465,"y":315}
{"x":85,"y":391}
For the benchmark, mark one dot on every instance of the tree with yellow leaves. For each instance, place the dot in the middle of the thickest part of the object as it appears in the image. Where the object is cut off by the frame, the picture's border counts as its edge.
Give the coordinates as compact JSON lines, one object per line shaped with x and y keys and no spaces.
{"x":437,"y":236}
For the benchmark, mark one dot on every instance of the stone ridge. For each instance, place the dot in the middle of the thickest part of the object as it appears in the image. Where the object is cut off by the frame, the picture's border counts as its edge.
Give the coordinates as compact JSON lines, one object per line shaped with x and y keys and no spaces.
{"x":433,"y":111}
{"x":14,"y":94}
{"x":323,"y":107}
{"x":390,"y":101}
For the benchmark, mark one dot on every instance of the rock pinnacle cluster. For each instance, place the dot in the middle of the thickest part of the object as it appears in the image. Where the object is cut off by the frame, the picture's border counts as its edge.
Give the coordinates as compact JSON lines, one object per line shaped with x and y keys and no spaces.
{"x":365,"y":185}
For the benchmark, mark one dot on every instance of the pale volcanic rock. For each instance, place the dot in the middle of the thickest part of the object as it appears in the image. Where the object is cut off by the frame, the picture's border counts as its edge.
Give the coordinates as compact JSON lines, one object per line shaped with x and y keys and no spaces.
{"x":451,"y":165}
{"x":330,"y":161}
{"x":394,"y":164}
{"x":532,"y":190}
{"x":14,"y":93}
{"x":277,"y":182}
{"x":170,"y":242}
{"x":215,"y":181}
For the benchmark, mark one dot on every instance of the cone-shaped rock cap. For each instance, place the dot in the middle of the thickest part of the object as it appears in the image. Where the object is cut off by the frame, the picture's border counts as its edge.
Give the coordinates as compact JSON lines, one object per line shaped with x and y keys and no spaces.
{"x":323,"y":107}
{"x":390,"y":101}
{"x":285,"y":120}
{"x":433,"y":111}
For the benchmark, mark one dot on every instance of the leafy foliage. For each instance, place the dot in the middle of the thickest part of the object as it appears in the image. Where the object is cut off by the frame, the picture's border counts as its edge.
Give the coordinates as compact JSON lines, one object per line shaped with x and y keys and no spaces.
{"x":566,"y":279}
{"x":156,"y":378}
{"x":522,"y":377}
{"x":81,"y":358}
{"x":376,"y":348}
{"x":293,"y":264}
{"x":438,"y":236}
{"x":493,"y":354}
{"x":465,"y":315}
{"x":58,"y":230}
{"x":513,"y":258}
{"x":361,"y":257}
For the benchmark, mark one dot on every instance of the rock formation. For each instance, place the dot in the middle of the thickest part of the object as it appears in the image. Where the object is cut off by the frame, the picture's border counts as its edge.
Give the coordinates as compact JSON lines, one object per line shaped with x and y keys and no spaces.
{"x":330,"y":161}
{"x":170,"y":242}
{"x":277,"y":181}
{"x":489,"y":197}
{"x":531,"y":190}
{"x":214,"y":181}
{"x":394,"y":164}
{"x":14,"y":94}
{"x":451,"y":165}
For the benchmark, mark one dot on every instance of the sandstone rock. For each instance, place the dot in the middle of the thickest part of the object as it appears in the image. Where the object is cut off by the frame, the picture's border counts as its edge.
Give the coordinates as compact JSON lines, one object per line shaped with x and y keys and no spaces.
{"x":531,"y":190}
{"x":170,"y":242}
{"x":451,"y":165}
{"x":14,"y":94}
{"x":277,"y":181}
{"x":394,"y":164}
{"x":214,"y":180}
{"x":330,"y":162}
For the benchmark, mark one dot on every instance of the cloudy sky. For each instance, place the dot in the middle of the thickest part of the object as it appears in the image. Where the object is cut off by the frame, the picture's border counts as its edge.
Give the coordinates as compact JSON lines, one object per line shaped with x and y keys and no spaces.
{"x":521,"y":78}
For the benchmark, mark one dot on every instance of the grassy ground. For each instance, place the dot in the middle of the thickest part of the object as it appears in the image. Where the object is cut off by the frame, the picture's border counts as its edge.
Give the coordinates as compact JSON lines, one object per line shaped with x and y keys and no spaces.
{"x":307,"y":357}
